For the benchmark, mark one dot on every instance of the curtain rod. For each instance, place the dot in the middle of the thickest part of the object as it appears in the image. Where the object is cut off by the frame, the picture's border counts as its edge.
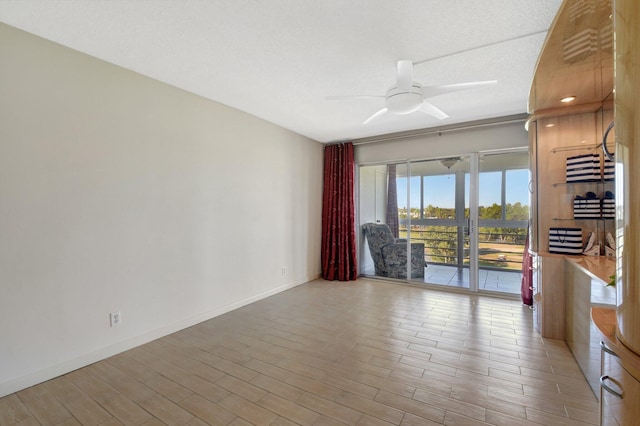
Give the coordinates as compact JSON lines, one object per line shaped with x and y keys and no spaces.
{"x":439,"y":131}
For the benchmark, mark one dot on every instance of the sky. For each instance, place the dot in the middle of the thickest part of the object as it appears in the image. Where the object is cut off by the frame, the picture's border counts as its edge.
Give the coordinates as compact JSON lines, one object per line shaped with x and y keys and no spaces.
{"x":440,"y":190}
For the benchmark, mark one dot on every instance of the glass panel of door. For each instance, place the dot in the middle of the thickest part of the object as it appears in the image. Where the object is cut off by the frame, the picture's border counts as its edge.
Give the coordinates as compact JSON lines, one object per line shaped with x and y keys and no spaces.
{"x":383,"y":251}
{"x":503,"y":214}
{"x":436,"y":215}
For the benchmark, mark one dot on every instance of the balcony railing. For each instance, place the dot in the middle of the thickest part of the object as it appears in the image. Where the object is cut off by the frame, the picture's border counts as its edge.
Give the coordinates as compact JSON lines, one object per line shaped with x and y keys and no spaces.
{"x":499,"y":248}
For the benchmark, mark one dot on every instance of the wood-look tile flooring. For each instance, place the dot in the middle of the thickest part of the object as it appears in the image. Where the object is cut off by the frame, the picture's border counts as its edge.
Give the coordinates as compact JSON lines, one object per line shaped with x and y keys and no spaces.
{"x":329,"y":353}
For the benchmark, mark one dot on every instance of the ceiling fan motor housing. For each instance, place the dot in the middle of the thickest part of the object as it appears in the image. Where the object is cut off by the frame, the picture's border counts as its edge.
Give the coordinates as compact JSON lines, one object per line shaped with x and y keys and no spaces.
{"x":401,"y":101}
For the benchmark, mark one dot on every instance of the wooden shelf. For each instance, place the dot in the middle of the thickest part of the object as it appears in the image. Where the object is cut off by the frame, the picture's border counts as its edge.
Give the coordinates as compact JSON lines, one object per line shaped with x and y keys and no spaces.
{"x":601,"y":181}
{"x":584,"y":218}
{"x":593,"y":147}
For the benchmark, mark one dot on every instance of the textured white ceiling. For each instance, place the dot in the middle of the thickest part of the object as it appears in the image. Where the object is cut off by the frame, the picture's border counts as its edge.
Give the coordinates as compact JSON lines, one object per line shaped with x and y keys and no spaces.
{"x":279,"y":59}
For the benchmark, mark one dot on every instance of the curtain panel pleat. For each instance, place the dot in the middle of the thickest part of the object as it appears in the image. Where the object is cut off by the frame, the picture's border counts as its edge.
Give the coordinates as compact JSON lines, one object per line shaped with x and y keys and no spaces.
{"x":339,"y":260}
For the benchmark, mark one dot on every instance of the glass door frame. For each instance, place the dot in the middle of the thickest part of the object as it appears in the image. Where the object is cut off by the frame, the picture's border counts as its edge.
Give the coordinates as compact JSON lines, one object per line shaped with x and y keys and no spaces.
{"x":474,"y":175}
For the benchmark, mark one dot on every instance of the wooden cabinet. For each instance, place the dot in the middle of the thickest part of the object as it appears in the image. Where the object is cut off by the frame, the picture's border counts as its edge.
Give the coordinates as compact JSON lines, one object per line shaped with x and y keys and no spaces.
{"x":587,"y":73}
{"x":620,"y":393}
{"x":549,"y":295}
{"x":621,"y":334}
{"x":554,"y":140}
{"x":586,"y":287}
{"x":532,"y":128}
{"x":620,"y":380}
{"x":559,"y":130}
{"x":627,"y":107}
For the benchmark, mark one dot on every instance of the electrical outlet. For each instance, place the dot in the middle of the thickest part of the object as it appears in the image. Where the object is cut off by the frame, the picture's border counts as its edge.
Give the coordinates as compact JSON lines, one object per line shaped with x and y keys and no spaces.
{"x":284,"y":271}
{"x":116,"y":318}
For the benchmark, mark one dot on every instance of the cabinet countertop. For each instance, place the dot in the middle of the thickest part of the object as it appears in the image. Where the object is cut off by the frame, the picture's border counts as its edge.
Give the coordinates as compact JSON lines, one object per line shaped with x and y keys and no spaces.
{"x":598,"y":267}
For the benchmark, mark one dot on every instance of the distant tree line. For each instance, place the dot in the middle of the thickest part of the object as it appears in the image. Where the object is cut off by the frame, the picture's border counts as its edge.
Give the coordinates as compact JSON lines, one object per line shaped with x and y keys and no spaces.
{"x":517,"y":211}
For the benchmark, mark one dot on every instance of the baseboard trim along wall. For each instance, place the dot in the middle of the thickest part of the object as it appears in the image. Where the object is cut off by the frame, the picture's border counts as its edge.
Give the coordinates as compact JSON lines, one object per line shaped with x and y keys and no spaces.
{"x":53,"y":371}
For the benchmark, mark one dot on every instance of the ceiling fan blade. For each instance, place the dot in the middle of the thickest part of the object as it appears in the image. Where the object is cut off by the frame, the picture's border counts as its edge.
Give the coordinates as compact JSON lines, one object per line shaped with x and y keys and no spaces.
{"x":405,"y":75}
{"x":431,"y":91}
{"x":432,"y":110}
{"x":376,"y":115}
{"x":354,"y":97}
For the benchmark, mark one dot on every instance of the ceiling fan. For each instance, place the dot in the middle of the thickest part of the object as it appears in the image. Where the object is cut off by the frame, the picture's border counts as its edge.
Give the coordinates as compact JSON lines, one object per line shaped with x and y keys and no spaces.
{"x":407,"y":95}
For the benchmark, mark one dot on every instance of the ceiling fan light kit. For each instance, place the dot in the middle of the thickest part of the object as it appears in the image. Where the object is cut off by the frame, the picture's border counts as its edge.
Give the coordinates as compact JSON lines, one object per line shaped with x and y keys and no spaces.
{"x":408,"y":96}
{"x":402,"y":102}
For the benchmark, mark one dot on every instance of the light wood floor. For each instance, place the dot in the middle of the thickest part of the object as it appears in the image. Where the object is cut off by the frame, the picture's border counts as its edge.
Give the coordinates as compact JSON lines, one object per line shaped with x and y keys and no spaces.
{"x":328,"y":353}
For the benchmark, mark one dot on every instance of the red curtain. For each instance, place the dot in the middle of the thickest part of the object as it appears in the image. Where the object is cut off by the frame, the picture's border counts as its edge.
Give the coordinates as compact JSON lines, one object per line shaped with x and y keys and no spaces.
{"x":338,"y":214}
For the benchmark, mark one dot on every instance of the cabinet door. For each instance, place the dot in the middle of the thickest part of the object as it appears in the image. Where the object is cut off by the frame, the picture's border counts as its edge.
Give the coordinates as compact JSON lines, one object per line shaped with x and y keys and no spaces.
{"x":620,"y":394}
{"x":610,"y":404}
{"x":551,"y":291}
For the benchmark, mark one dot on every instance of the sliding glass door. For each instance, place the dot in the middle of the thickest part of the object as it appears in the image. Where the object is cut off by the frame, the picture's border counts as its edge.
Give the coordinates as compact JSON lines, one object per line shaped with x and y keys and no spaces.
{"x":436,"y":213}
{"x":457,"y":221}
{"x":503,"y":215}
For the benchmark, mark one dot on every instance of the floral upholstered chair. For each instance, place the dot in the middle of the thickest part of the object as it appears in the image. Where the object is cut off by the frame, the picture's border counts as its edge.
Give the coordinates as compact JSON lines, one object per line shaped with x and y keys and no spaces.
{"x":390,"y":254}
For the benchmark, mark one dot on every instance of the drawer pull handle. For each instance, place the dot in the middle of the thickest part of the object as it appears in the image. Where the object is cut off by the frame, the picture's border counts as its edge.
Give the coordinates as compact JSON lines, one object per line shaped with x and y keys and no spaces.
{"x":607,"y":350}
{"x":608,"y":389}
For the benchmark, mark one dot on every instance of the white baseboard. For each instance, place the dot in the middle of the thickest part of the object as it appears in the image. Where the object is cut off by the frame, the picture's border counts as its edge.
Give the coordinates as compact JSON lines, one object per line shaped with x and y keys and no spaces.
{"x":53,"y":371}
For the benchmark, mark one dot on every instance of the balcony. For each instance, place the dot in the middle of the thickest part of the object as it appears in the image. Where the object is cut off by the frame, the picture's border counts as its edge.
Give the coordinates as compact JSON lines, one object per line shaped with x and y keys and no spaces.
{"x":500,"y":255}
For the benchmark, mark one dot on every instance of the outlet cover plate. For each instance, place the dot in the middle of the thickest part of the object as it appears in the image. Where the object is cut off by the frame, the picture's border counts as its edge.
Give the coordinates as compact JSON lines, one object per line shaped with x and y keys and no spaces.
{"x":116,"y":318}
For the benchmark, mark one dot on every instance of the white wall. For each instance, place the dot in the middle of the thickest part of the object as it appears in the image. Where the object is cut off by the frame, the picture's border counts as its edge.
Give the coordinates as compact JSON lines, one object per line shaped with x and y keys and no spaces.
{"x":118,"y":192}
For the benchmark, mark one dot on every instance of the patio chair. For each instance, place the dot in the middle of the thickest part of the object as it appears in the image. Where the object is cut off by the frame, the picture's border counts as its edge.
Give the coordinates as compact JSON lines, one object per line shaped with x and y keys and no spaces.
{"x":390,"y":254}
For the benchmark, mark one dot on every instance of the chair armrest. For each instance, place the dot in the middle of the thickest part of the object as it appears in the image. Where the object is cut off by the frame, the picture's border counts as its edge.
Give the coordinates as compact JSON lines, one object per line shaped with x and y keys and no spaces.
{"x":397,"y":249}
